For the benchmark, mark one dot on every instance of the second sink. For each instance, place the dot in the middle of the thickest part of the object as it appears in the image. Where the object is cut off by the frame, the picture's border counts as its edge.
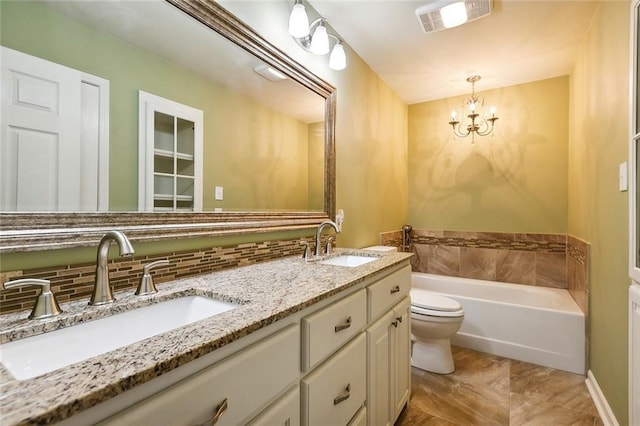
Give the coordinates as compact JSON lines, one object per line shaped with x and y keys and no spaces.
{"x":40,"y":354}
{"x":348,"y":260}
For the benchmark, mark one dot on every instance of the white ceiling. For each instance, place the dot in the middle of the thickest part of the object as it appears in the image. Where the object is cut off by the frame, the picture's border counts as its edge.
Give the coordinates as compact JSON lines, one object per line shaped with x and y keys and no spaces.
{"x":521,"y":41}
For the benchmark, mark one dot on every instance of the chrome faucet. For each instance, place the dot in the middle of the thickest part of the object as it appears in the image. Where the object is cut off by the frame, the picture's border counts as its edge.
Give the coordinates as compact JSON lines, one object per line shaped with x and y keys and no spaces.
{"x":102,"y":289}
{"x":319,"y":234}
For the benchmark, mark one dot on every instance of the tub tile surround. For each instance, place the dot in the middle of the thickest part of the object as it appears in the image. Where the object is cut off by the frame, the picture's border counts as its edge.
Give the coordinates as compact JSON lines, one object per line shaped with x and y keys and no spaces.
{"x":548,"y":260}
{"x":75,"y":282}
{"x":578,"y":271}
{"x":270,"y":291}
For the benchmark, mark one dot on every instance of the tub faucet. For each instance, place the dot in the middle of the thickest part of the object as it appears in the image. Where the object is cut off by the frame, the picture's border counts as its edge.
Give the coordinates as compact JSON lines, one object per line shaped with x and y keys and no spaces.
{"x":319,"y":234}
{"x":102,"y":289}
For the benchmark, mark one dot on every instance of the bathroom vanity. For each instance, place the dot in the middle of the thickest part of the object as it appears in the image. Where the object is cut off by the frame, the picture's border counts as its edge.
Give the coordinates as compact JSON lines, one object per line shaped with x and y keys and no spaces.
{"x":308,"y":343}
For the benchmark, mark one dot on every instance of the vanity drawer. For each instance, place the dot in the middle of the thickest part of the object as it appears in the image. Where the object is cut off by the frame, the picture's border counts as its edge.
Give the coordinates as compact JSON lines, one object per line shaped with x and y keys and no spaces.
{"x":245,"y":381}
{"x":284,"y":412}
{"x":359,"y":419}
{"x":334,"y":392}
{"x":325,"y":331}
{"x":388,"y":291}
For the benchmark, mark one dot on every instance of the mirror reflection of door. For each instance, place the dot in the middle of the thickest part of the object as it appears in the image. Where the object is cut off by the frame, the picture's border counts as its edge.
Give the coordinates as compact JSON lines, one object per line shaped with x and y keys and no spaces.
{"x":170,"y":155}
{"x":53,"y":149}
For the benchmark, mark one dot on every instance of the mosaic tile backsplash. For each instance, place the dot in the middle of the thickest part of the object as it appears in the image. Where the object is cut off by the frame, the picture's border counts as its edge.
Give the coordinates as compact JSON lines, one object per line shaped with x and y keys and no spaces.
{"x":74,"y":282}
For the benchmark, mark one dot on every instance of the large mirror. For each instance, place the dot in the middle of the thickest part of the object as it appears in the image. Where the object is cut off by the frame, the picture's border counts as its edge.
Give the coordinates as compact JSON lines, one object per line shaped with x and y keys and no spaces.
{"x":268,"y":150}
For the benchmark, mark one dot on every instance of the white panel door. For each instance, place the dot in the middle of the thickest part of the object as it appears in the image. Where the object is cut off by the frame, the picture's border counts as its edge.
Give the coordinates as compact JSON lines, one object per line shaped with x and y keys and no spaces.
{"x":40,"y":146}
{"x":634,"y":354}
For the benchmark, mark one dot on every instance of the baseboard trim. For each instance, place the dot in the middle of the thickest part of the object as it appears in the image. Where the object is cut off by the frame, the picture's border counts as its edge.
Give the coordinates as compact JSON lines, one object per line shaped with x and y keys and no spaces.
{"x":604,"y":410}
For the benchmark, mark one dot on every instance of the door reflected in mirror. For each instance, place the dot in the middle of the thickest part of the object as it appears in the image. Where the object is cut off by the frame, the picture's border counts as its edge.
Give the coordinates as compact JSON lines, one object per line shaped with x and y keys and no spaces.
{"x":263,"y":138}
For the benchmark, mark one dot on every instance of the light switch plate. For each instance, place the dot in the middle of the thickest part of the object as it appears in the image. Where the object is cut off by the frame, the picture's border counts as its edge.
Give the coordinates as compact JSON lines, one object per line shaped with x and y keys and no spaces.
{"x":218,"y":193}
{"x":623,"y":177}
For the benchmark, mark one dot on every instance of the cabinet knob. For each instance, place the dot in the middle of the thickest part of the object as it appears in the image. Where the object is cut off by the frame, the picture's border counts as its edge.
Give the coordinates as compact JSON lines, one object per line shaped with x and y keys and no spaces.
{"x":343,"y":397}
{"x":344,"y":325}
{"x":395,"y":289}
{"x":220,"y":409}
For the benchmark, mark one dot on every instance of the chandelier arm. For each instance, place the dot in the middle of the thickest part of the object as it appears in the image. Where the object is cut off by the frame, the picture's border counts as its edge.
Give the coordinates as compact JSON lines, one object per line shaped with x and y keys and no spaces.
{"x":458,"y":132}
{"x":489,"y":127}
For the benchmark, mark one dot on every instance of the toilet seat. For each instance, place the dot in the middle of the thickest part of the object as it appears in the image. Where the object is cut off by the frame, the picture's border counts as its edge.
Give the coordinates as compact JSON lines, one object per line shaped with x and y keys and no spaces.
{"x":424,"y":302}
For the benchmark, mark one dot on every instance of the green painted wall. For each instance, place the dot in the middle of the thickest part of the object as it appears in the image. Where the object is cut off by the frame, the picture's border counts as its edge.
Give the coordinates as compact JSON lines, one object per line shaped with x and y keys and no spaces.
{"x":235,"y":145}
{"x":598,"y":212}
{"x":371,"y":156}
{"x":514,"y":180}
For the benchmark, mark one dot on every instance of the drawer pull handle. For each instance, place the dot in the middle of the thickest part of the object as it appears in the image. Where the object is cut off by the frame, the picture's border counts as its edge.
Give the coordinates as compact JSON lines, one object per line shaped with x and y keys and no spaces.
{"x":220,"y":410}
{"x":395,"y":323}
{"x":399,"y":319}
{"x":396,"y":289}
{"x":344,"y":325}
{"x":338,"y":399}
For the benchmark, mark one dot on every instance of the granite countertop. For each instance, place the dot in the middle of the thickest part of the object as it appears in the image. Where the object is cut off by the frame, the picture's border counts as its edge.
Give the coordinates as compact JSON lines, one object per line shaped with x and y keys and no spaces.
{"x":266,"y":292}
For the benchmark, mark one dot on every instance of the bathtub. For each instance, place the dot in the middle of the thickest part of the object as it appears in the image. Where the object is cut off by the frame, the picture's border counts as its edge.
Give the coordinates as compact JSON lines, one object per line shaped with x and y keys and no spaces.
{"x":539,"y":325}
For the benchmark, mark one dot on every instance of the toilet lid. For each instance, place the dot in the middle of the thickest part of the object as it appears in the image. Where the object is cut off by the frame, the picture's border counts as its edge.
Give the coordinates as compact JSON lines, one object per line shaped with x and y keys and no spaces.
{"x":428,"y":300}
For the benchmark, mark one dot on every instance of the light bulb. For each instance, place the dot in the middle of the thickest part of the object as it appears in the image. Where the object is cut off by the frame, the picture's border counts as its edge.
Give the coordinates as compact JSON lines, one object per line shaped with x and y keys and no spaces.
{"x":320,"y":40}
{"x":453,"y":115}
{"x":454,"y":14}
{"x":472,"y":106}
{"x":338,"y":59}
{"x":298,"y":21}
{"x":492,"y":111}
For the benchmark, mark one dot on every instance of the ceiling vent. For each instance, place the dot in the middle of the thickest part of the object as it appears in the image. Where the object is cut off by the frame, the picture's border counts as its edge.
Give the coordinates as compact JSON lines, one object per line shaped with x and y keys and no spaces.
{"x":442,"y":14}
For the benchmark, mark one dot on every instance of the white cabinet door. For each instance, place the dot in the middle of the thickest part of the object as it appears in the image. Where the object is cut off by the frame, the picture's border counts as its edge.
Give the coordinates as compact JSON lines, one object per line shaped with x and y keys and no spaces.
{"x":379,"y":371}
{"x":401,"y":355}
{"x":46,"y":162}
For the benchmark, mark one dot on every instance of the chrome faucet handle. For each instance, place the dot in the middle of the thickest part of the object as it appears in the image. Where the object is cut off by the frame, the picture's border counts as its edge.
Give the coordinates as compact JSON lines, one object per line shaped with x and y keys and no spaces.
{"x":45,"y":305}
{"x":146,"y":285}
{"x":306,"y":255}
{"x":329,"y":246}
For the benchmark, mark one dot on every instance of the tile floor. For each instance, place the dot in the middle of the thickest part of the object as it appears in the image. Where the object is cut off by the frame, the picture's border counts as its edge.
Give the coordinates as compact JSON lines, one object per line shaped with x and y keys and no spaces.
{"x":490,"y":390}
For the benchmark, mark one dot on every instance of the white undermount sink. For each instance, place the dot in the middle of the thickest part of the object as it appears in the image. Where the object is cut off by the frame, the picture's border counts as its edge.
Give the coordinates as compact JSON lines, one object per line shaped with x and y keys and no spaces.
{"x":349,"y":260}
{"x":40,"y":354}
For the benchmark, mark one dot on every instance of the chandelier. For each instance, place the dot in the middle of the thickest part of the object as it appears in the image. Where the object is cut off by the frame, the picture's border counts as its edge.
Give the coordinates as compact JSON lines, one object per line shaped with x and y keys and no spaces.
{"x":477,"y":121}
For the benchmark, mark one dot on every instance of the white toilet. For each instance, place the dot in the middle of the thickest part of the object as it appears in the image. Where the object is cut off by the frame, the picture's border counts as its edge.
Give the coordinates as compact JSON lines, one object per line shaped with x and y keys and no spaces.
{"x":434,"y":320}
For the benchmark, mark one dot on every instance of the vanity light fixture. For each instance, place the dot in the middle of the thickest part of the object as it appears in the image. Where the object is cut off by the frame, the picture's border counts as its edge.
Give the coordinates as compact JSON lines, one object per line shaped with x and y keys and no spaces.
{"x":442,"y":14}
{"x":314,"y":37}
{"x":298,"y":21}
{"x":338,"y":59}
{"x":320,"y":40}
{"x":477,"y":121}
